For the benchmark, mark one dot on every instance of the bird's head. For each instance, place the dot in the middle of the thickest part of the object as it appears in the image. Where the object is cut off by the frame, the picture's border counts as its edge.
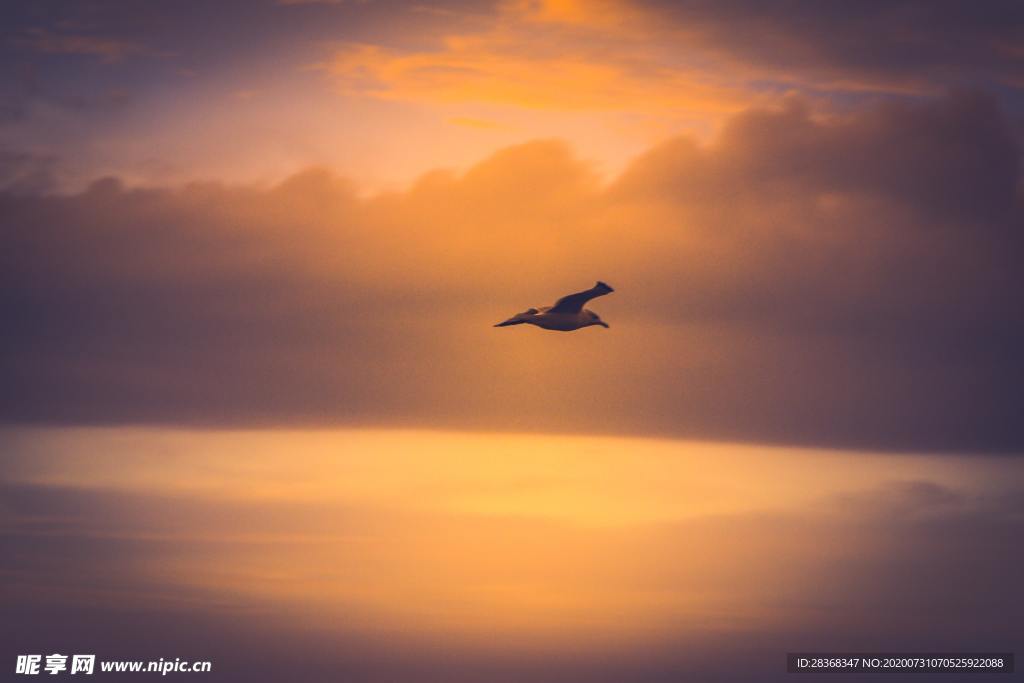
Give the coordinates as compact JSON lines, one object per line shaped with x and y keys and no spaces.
{"x":595,"y":319}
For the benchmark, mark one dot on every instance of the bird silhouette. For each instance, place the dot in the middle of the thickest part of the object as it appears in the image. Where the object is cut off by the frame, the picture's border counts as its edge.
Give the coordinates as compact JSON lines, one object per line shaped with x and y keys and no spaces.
{"x":566,"y":315}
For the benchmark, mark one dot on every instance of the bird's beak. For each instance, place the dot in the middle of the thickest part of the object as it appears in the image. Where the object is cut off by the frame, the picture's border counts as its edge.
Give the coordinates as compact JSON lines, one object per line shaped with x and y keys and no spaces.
{"x":603,"y":324}
{"x":506,"y":323}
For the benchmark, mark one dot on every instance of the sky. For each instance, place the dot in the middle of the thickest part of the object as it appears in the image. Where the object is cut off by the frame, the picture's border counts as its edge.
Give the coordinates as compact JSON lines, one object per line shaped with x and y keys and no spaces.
{"x":276,"y":213}
{"x":253,"y":253}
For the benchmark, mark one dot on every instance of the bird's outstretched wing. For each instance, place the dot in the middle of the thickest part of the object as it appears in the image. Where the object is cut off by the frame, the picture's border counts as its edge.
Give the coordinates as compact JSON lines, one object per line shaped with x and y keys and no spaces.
{"x":573,"y":303}
{"x":519,"y":318}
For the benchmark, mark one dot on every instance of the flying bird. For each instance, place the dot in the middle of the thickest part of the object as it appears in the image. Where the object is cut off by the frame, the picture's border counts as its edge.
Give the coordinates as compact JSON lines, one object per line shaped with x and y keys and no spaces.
{"x":566,"y":315}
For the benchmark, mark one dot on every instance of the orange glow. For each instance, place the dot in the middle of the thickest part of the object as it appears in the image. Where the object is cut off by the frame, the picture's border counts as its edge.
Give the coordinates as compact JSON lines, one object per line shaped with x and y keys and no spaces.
{"x":496,"y":68}
{"x":259,"y":407}
{"x":543,"y":540}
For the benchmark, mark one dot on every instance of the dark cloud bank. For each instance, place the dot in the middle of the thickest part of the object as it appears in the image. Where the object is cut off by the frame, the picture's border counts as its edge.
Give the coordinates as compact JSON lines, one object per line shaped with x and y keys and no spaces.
{"x":895,"y":44}
{"x":851,"y":281}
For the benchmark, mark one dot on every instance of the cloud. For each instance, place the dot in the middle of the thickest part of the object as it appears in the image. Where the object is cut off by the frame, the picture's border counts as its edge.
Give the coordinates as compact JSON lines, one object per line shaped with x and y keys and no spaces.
{"x":845,"y":280}
{"x":559,"y":56}
{"x":908,"y":44}
{"x":500,"y":70}
{"x":27,"y":173}
{"x":106,"y":49}
{"x":707,"y":58}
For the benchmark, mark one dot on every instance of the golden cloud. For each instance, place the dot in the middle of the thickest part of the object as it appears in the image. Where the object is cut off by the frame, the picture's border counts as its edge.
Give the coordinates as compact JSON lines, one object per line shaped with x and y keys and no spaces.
{"x":549,"y":55}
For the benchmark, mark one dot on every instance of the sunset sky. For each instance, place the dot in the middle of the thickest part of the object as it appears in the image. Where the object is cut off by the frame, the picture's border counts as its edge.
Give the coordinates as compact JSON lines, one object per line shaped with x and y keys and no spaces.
{"x":252,"y":256}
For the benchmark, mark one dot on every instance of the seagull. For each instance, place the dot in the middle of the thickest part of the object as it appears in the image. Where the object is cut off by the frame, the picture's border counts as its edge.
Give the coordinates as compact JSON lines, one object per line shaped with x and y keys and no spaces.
{"x":566,"y":315}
